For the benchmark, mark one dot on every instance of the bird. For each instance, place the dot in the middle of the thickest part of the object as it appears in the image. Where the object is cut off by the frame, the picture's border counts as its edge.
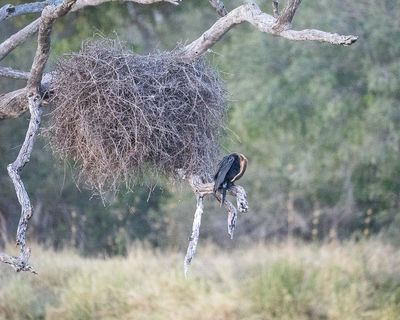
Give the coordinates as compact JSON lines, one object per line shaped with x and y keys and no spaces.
{"x":230,"y":169}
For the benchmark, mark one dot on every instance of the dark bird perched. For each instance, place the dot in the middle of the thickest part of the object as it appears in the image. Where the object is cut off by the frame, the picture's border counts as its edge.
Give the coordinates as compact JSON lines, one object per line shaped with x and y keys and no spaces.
{"x":230,"y":169}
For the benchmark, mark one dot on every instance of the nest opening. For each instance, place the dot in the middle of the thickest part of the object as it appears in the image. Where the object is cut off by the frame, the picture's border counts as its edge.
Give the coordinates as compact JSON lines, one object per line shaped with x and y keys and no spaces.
{"x":119,"y":115}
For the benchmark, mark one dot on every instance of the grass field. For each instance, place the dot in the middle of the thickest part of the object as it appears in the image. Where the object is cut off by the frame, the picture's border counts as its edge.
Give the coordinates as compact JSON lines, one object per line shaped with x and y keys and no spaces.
{"x":282,"y":281}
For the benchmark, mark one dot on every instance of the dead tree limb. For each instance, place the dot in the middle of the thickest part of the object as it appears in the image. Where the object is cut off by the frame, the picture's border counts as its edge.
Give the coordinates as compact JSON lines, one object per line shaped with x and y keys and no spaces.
{"x":264,"y":23}
{"x":18,"y":38}
{"x":201,"y":189}
{"x":13,"y":104}
{"x":194,"y":238}
{"x":275,"y":8}
{"x":219,"y":6}
{"x":8,"y":10}
{"x":20,"y":263}
{"x":6,"y":72}
{"x":49,"y":15}
{"x":284,"y":19}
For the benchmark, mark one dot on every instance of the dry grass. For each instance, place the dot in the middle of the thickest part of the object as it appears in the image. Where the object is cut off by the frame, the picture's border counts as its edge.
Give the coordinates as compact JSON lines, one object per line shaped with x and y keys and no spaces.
{"x":119,"y":116}
{"x":352,"y":281}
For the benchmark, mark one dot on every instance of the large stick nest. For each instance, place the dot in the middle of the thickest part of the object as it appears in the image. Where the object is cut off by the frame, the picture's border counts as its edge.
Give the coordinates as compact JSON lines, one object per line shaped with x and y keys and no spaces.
{"x":119,"y":115}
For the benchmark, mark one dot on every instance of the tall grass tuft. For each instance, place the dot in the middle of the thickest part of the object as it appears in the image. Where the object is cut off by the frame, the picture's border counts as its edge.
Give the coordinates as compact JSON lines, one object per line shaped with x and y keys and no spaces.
{"x":282,"y":281}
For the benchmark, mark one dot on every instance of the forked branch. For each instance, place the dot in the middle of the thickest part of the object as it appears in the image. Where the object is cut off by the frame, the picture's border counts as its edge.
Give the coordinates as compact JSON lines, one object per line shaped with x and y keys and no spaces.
{"x":202,"y":189}
{"x":284,"y":19}
{"x":49,"y":15}
{"x":263,"y":22}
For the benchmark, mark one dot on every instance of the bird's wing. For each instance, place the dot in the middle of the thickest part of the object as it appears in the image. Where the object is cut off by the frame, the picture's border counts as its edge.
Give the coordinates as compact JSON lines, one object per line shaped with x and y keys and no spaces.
{"x":223,"y":169}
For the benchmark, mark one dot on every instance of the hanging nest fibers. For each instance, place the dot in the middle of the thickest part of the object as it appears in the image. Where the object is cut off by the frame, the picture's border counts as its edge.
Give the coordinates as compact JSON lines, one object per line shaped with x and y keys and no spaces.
{"x":118,"y":115}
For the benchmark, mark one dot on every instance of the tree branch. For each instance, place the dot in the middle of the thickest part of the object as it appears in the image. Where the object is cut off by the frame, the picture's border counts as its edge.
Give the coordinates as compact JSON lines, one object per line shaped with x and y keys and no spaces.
{"x":18,"y":38}
{"x":49,"y":15}
{"x":275,"y":8}
{"x":8,"y":10}
{"x":85,"y":3}
{"x":20,"y":263}
{"x":218,"y":5}
{"x":13,"y":104}
{"x":202,"y":189}
{"x":264,"y":23}
{"x":286,"y":17}
{"x":6,"y":72}
{"x":194,"y":238}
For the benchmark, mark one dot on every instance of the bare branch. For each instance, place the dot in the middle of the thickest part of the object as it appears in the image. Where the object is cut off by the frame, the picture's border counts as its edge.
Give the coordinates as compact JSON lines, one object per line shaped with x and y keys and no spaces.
{"x":49,"y":15}
{"x":13,"y":104}
{"x":6,"y":11}
{"x":275,"y":8}
{"x":20,"y":263}
{"x":202,"y":189}
{"x":17,"y":263}
{"x":194,"y":238}
{"x":18,"y":38}
{"x":85,"y":3}
{"x":6,"y":72}
{"x":218,"y":5}
{"x":241,"y":198}
{"x":285,"y":18}
{"x":263,"y":22}
{"x":317,"y":35}
{"x":9,"y":10}
{"x":21,"y":36}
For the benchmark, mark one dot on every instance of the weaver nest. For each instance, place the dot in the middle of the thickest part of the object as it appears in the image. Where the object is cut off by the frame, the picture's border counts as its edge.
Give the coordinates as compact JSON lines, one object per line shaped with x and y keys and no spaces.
{"x":119,"y":116}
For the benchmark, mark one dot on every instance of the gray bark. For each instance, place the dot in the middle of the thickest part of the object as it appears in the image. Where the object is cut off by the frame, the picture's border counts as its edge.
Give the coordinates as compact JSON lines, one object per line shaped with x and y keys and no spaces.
{"x":201,"y":190}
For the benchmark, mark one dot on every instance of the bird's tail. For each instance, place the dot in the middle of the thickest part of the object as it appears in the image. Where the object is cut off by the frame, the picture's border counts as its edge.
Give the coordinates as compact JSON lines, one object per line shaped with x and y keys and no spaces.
{"x":224,"y":187}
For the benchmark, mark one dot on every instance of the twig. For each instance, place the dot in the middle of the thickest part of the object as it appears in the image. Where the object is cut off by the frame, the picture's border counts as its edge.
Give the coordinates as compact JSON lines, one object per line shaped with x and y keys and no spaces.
{"x":264,"y":23}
